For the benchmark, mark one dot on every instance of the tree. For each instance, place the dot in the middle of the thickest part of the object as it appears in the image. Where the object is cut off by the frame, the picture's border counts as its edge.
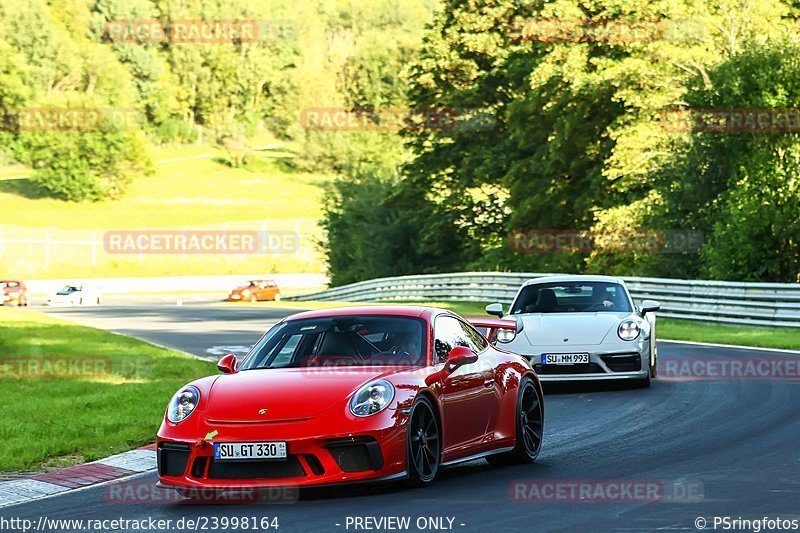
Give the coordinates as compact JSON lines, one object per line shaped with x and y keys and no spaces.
{"x":369,"y":234}
{"x":740,"y":186}
{"x":87,"y":165}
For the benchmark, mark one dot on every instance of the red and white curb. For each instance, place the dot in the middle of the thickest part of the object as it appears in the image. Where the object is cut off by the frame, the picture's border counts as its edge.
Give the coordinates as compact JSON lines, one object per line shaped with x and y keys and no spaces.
{"x":36,"y":486}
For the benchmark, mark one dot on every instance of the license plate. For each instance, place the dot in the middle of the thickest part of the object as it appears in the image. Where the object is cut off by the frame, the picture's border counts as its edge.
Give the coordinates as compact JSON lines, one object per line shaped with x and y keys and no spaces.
{"x":564,"y":358}
{"x":249,"y":451}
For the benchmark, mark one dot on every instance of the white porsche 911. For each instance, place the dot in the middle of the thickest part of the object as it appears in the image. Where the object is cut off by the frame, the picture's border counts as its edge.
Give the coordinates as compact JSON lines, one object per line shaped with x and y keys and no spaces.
{"x":582,"y":328}
{"x":76,"y":294}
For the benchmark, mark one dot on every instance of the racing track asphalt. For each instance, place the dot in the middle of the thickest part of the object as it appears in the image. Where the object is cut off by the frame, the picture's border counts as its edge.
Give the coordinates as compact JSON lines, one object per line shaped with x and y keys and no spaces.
{"x":735,"y":443}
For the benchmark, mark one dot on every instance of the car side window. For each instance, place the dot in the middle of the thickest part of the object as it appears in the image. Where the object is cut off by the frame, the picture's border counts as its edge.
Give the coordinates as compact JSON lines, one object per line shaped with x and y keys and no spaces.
{"x":286,"y":352}
{"x":449,"y":333}
{"x":477,"y":341}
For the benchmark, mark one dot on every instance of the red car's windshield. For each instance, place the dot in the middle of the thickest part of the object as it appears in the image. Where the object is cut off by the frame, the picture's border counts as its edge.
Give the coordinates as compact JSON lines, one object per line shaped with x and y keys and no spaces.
{"x":341,"y":341}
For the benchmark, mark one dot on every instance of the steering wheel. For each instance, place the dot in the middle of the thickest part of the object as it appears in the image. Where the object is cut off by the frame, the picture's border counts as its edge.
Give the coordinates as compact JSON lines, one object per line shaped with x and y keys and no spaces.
{"x":600,"y":306}
{"x":398,"y":351}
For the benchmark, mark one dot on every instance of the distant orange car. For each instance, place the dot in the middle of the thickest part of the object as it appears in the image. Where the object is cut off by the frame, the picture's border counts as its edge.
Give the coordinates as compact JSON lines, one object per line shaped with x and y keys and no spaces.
{"x":256,"y":290}
{"x":14,"y":292}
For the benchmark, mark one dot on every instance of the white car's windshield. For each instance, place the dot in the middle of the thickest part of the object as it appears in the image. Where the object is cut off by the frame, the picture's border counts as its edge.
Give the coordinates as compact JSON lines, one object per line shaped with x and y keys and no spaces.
{"x":572,"y":297}
{"x":69,"y":289}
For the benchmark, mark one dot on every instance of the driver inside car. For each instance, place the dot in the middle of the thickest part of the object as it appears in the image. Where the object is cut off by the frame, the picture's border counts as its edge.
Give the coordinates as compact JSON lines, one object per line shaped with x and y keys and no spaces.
{"x":600,"y":297}
{"x":406,"y":347}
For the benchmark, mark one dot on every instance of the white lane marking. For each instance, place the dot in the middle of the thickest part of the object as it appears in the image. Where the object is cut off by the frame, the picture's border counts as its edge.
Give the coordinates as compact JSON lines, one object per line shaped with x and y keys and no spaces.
{"x":737,"y":346}
{"x":134,"y":460}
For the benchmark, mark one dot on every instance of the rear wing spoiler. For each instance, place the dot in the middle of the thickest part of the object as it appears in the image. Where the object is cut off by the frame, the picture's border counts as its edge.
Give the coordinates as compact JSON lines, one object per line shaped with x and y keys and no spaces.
{"x":491,"y":322}
{"x":489,"y":326}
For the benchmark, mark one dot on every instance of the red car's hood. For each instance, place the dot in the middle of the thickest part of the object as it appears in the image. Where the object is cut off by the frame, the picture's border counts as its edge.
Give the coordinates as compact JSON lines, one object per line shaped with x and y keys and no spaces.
{"x":272,"y":395}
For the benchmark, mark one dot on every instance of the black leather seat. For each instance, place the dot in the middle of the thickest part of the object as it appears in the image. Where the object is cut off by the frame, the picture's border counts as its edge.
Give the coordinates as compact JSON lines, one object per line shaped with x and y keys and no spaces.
{"x":546,"y":302}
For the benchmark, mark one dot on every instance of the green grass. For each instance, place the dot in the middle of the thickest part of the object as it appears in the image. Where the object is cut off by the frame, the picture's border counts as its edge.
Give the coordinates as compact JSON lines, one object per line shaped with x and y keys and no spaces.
{"x":668,"y":328}
{"x":58,"y":420}
{"x":193,"y":187}
{"x":763,"y":337}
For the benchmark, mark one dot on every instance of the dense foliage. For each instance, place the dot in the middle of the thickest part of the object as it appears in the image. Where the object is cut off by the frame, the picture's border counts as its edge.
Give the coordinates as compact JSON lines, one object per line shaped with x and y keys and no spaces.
{"x":559,"y":120}
{"x":585,"y":138}
{"x":65,"y":55}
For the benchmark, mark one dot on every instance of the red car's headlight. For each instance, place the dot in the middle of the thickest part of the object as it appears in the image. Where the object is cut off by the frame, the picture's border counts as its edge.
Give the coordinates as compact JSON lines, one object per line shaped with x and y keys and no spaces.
{"x":183,"y":404}
{"x":372,"y":398}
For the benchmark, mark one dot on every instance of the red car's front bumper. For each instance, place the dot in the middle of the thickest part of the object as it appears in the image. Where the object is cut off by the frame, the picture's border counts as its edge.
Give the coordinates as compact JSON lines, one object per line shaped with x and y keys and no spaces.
{"x":374,"y":448}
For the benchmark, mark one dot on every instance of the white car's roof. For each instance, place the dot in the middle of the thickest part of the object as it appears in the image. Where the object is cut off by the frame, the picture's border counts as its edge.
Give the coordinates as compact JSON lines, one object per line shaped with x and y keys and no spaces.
{"x":572,"y":277}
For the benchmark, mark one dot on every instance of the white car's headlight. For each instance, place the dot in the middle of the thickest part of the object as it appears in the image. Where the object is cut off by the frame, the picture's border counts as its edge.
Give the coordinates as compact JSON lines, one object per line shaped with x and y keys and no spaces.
{"x":372,"y":398}
{"x":506,"y":335}
{"x":628,"y":330}
{"x":183,"y":403}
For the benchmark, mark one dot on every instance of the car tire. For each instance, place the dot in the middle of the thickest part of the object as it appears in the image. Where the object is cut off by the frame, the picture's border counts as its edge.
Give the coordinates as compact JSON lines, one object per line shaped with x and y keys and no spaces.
{"x":645,"y":383}
{"x":424,"y":445}
{"x":278,"y":297}
{"x":253,"y":298}
{"x":529,"y":418}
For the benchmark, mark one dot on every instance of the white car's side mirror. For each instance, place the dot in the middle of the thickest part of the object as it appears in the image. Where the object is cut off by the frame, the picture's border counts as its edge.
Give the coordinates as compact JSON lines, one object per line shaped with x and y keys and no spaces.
{"x":495,"y":309}
{"x":649,"y":306}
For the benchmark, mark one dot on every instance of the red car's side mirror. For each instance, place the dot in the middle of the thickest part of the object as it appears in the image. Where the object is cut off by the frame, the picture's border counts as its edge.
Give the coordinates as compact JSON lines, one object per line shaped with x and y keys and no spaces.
{"x":460,"y":356}
{"x":227,"y":364}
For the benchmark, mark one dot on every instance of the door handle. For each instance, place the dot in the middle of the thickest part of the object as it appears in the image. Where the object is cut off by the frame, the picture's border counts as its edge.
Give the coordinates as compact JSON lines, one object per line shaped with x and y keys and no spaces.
{"x":488,"y":383}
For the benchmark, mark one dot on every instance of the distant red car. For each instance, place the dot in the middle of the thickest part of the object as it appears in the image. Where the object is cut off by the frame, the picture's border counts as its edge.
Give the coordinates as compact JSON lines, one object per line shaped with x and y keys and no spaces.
{"x":255,"y":291}
{"x":353,"y":394}
{"x":14,"y":292}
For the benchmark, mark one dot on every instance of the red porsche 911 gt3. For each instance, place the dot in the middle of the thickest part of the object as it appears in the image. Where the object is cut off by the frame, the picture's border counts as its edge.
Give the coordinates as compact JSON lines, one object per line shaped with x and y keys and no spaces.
{"x":353,"y":394}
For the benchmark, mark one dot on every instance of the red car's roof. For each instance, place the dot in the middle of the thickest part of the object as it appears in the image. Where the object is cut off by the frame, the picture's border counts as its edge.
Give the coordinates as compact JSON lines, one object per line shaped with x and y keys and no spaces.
{"x":391,"y":310}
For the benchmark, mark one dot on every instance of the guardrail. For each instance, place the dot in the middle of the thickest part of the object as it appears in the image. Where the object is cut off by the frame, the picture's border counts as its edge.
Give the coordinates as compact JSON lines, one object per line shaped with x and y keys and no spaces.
{"x":769,"y":304}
